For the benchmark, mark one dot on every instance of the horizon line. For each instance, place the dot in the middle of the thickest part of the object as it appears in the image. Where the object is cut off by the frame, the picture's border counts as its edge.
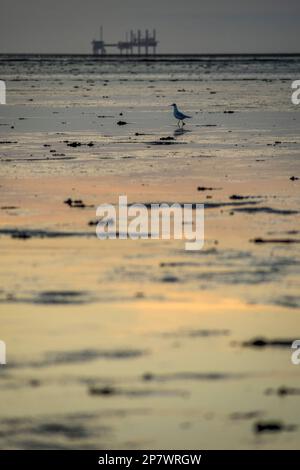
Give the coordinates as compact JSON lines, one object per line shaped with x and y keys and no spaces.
{"x":150,"y":56}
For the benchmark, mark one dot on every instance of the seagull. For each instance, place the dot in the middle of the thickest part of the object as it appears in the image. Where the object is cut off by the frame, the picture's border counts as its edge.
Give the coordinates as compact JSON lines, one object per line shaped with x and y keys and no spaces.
{"x":179,"y":115}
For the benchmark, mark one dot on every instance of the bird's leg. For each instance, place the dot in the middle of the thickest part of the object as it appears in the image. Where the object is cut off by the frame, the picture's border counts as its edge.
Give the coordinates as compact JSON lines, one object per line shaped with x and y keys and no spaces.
{"x":178,"y":123}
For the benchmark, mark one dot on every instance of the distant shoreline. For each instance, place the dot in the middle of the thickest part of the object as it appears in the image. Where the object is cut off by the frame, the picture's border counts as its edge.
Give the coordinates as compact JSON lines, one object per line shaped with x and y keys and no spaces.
{"x":149,"y":57}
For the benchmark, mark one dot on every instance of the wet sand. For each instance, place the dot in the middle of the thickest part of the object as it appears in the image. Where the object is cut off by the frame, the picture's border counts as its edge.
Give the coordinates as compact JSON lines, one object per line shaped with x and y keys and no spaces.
{"x":140,"y":344}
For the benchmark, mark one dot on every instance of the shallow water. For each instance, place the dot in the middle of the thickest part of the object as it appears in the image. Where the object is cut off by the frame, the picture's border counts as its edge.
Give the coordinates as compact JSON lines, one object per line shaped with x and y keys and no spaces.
{"x":141,"y":344}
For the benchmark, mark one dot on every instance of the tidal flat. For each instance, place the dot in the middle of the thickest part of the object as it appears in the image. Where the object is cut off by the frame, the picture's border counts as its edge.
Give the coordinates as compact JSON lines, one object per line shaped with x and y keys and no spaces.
{"x":140,"y":344}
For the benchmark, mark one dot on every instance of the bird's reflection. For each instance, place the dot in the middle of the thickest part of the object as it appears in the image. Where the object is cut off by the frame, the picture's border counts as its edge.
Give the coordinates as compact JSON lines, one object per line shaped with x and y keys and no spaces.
{"x":180,"y":131}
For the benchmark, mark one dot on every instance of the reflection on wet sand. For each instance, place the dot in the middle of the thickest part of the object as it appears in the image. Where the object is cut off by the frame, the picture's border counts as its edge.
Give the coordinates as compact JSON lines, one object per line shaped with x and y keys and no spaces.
{"x":141,"y":344}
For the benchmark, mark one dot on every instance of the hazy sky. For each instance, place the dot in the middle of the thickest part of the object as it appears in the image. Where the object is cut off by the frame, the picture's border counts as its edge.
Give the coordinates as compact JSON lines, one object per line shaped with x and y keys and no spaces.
{"x":182,"y":25}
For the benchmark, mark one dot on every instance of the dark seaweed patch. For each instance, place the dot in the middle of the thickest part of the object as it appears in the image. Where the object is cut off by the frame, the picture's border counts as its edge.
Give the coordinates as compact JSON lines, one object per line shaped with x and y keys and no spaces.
{"x":48,"y":432}
{"x":284,"y":391}
{"x":67,"y":357}
{"x":74,"y":431}
{"x":8,"y":142}
{"x":205,"y":376}
{"x":207,"y":205}
{"x":196,"y":333}
{"x":108,"y":391}
{"x":170,"y":279}
{"x":260,"y":240}
{"x":25,"y":234}
{"x":265,"y":210}
{"x":107,"y":222}
{"x":287,"y":301}
{"x":272,"y":427}
{"x":268,"y":343}
{"x":165,"y":142}
{"x":78,"y":144}
{"x":238,"y":197}
{"x":76,"y":203}
{"x":61,"y":297}
{"x":55,"y":358}
{"x":206,"y":188}
{"x":245,"y":415}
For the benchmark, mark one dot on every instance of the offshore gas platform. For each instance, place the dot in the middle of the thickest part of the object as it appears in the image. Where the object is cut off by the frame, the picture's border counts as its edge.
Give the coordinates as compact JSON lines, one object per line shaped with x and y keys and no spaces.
{"x":134,"y":43}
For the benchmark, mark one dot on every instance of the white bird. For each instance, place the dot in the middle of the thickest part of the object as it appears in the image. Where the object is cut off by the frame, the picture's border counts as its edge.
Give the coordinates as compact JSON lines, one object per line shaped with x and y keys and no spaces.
{"x":179,"y":115}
